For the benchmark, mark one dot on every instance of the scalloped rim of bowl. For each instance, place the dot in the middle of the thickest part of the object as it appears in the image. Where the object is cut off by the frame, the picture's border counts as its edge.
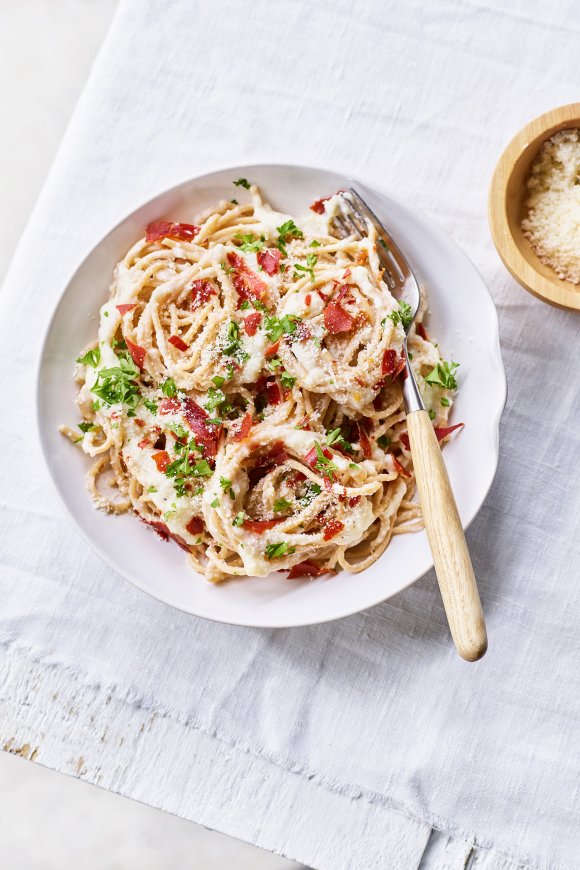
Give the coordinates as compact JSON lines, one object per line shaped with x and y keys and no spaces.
{"x":514,"y":249}
{"x":258,"y":621}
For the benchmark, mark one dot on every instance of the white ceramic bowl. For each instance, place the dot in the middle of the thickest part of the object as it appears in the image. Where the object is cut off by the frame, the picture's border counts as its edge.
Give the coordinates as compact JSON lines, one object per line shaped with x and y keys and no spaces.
{"x":462,"y":317}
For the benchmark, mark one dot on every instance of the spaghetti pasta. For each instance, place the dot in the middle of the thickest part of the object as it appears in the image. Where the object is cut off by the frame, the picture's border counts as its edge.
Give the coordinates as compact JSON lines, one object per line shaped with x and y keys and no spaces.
{"x":243,"y":397}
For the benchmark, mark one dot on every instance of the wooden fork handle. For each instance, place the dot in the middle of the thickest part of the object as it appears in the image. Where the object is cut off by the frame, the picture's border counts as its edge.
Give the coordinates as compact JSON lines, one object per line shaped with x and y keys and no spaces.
{"x":447,"y":540}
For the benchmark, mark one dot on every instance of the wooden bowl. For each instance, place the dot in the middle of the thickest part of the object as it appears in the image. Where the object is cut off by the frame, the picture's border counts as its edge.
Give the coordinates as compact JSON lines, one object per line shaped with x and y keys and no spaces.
{"x":507,"y":195}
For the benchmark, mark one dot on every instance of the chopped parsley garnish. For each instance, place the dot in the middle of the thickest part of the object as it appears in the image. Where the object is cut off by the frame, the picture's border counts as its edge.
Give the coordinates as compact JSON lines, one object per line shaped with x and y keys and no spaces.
{"x":314,"y":244}
{"x":287,"y":380}
{"x":310,"y":492}
{"x":227,"y":269}
{"x":215,"y":397}
{"x":281,"y":504}
{"x":117,"y":385}
{"x":239,"y":519}
{"x":311,"y":261}
{"x":242,"y":182}
{"x":403,"y":315}
{"x":234,"y":201}
{"x":87,"y":427}
{"x":336,"y":437}
{"x":96,"y":405}
{"x":274,"y":364}
{"x":286,"y":233}
{"x":169,"y":388}
{"x":226,"y":486}
{"x":215,"y":503}
{"x":184,"y":468}
{"x":443,"y":375}
{"x":245,"y":305}
{"x":234,"y":346}
{"x":276,"y":551}
{"x":432,"y":414}
{"x":250,"y":243}
{"x":181,"y":432}
{"x":151,"y":406}
{"x":276,"y":327}
{"x":383,"y":441}
{"x":91,"y":358}
{"x":323,"y":464}
{"x":152,"y":489}
{"x":445,"y":401}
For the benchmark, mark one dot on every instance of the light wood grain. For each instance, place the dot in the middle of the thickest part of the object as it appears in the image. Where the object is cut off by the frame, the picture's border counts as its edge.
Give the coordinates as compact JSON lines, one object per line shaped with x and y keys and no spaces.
{"x":506,"y":208}
{"x":447,"y":540}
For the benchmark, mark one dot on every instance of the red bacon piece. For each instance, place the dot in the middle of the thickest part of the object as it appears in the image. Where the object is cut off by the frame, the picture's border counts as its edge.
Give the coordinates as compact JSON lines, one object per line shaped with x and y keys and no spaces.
{"x":400,"y":469}
{"x":260,"y":526}
{"x":295,"y":478}
{"x":389,"y":364}
{"x":167,"y":230}
{"x":275,"y":456}
{"x":245,"y":427}
{"x":365,"y":444}
{"x":206,"y":434}
{"x":311,"y":457}
{"x":404,"y":439}
{"x":274,"y":393}
{"x":246,"y":282}
{"x":162,"y":460}
{"x":122,"y":309}
{"x":401,"y":366}
{"x":169,"y":406}
{"x":336,"y":319}
{"x":304,"y":424}
{"x":201,"y":290}
{"x":322,"y":295}
{"x":347,"y":274}
{"x":318,"y":205}
{"x":137,"y":353}
{"x":331,"y":529}
{"x":195,"y":526}
{"x":307,"y":569}
{"x":139,"y":422}
{"x":352,"y":502}
{"x":308,"y":299}
{"x":342,"y":291}
{"x":178,"y":342}
{"x":442,"y":431}
{"x":269,"y":260}
{"x":251,"y":322}
{"x":143,"y":443}
{"x":273,"y":349}
{"x":163,"y":532}
{"x":420,"y":330}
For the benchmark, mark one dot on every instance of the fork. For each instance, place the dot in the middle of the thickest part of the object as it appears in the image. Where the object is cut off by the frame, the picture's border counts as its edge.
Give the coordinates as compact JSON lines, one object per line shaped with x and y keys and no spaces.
{"x":442,"y":522}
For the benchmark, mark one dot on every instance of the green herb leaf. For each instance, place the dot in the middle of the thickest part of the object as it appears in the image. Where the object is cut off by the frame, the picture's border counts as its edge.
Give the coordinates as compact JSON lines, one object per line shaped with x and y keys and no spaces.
{"x":151,"y":406}
{"x":314,"y":244}
{"x":117,"y":385}
{"x":311,"y":261}
{"x":287,"y":380}
{"x":276,"y":551}
{"x":245,"y":305}
{"x":432,"y":414}
{"x":445,"y":401}
{"x":215,"y":503}
{"x":239,"y":519}
{"x":275,"y":327}
{"x":152,"y":489}
{"x":250,"y":243}
{"x":281,"y":504}
{"x":91,"y":358}
{"x":403,"y":315}
{"x":87,"y":427}
{"x":443,"y":375}
{"x":169,"y":388}
{"x":242,"y":182}
{"x":225,"y":484}
{"x":289,"y":230}
{"x":215,"y":398}
{"x":383,"y":441}
{"x":336,"y":437}
{"x":323,"y":463}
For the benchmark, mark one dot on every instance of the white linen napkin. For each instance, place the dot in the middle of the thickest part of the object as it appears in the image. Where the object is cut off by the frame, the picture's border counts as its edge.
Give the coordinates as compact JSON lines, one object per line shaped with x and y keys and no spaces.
{"x":420,"y":98}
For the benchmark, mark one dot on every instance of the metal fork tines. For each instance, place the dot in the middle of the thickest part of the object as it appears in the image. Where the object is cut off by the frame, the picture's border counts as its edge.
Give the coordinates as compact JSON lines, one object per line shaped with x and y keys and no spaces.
{"x":352,"y":219}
